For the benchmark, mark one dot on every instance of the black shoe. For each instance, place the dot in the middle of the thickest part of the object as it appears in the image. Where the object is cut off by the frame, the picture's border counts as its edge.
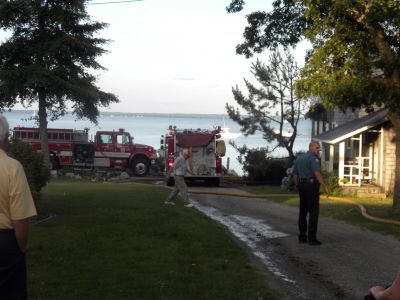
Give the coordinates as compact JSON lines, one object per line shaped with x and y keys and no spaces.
{"x":314,"y":243}
{"x":302,"y":239}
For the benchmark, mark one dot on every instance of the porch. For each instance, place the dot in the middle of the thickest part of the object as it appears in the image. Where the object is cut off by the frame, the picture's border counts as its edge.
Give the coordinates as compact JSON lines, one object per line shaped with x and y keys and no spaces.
{"x":365,"y":191}
{"x":355,"y":151}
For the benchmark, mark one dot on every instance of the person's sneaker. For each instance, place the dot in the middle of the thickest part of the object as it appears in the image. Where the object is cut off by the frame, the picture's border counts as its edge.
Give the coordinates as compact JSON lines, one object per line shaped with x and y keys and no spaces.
{"x":189,"y":205}
{"x":314,"y":243}
{"x":169,"y":203}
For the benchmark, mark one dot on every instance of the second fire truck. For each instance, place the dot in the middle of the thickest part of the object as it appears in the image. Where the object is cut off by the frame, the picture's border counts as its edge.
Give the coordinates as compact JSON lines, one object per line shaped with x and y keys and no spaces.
{"x":206,"y":151}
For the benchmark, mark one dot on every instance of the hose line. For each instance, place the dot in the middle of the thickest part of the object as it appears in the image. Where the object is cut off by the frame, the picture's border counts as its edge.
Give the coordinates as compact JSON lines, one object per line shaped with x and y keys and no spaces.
{"x":362,"y":208}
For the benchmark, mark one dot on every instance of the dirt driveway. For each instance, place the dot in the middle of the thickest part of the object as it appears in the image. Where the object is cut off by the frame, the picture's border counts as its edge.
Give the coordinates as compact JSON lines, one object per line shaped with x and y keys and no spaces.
{"x":344,"y":267}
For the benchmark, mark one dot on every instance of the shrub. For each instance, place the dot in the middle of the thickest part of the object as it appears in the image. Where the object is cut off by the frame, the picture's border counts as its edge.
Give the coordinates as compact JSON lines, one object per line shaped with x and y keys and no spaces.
{"x":36,"y":172}
{"x":332,"y":182}
{"x":261,"y":169}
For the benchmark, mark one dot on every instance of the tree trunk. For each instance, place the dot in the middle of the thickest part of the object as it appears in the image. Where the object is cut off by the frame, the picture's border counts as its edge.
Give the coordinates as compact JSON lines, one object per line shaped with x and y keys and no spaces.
{"x":292,"y":157}
{"x":394,"y":118}
{"x":43,"y":129}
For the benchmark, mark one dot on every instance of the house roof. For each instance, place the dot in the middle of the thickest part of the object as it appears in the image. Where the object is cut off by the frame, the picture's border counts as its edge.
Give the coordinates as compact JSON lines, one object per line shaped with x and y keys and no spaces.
{"x":353,"y":127}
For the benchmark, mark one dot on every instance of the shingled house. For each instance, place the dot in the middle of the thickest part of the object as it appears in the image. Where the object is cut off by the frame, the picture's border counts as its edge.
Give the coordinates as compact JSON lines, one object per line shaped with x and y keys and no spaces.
{"x":357,"y":147}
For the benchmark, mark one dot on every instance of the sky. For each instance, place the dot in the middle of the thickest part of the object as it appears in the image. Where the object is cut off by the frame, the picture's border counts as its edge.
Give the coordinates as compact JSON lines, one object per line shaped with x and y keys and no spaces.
{"x":173,"y":56}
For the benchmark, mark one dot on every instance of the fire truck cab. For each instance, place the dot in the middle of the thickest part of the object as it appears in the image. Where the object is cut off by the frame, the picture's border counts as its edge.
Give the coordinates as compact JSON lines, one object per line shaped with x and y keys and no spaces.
{"x":115,"y":149}
{"x":72,"y":148}
{"x":205,"y":161}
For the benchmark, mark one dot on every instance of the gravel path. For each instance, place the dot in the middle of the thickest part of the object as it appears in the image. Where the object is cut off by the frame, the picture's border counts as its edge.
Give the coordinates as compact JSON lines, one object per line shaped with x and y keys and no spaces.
{"x":344,"y":267}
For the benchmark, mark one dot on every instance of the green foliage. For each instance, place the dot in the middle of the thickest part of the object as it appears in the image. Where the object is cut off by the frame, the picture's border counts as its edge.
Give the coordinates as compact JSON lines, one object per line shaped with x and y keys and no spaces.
{"x":354,"y":59}
{"x":271,"y":108}
{"x":355,"y":54}
{"x":260,"y":168}
{"x":51,"y":46}
{"x":235,"y":6}
{"x":283,"y":26}
{"x":36,"y":172}
{"x":333,"y":183}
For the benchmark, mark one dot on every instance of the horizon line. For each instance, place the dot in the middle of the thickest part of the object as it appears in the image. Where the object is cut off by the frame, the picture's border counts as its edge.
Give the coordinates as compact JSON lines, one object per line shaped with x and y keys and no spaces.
{"x":122,"y":112}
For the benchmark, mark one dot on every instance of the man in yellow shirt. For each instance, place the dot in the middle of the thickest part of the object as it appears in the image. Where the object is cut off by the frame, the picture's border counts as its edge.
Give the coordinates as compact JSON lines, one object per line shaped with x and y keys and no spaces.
{"x":16,"y":207}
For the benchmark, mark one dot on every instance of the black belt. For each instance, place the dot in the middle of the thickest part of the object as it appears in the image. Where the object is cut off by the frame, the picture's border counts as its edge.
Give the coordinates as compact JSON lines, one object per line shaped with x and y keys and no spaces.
{"x":308,"y":180}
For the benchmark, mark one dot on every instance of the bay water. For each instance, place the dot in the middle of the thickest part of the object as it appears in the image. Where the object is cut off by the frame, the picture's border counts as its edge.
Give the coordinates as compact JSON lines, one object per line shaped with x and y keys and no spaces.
{"x":147,"y":128}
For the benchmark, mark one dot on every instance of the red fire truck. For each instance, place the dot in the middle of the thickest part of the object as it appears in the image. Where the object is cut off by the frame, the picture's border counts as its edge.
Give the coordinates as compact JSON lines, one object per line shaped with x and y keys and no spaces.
{"x":206,"y":151}
{"x":72,"y":148}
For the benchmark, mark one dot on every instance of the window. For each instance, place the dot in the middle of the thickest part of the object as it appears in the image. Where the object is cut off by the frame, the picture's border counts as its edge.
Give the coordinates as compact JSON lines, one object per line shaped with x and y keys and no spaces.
{"x":122,"y":139}
{"x":326,"y":151}
{"x":105,"y":139}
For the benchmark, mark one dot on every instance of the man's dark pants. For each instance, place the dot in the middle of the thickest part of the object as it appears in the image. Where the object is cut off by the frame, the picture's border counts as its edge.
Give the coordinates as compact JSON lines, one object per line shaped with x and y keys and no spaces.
{"x":309,"y":204}
{"x":12,"y":268}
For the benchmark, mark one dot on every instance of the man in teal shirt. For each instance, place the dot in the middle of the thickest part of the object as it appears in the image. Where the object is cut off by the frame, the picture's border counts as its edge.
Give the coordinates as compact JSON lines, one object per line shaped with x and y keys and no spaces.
{"x":307,"y":178}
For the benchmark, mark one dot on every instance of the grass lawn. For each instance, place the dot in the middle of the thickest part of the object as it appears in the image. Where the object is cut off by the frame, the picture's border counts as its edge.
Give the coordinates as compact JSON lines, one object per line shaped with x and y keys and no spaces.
{"x":119,"y":241}
{"x":381,"y":208}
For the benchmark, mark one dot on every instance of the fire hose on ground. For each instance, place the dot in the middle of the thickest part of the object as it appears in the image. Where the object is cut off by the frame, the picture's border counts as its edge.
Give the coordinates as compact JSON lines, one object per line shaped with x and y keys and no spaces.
{"x":362,"y":208}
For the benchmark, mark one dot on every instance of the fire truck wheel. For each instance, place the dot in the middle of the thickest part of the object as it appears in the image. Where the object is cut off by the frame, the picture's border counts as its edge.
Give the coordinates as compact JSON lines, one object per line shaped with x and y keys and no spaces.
{"x":140,"y":166}
{"x":216,"y":182}
{"x":212,"y":182}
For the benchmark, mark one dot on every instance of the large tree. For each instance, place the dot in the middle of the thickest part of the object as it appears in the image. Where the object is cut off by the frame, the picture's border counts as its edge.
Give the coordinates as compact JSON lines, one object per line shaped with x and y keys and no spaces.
{"x":52,"y":45}
{"x":271,"y":108}
{"x":355,"y":56}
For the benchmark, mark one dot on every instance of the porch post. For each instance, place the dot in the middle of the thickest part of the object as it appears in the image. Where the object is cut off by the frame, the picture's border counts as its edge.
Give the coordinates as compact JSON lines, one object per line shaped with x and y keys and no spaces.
{"x":331,"y":152}
{"x":313,"y":128}
{"x":341,"y":160}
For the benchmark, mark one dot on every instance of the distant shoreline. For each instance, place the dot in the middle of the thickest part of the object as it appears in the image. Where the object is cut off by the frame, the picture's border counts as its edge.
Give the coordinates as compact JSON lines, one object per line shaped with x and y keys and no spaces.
{"x":136,"y":114}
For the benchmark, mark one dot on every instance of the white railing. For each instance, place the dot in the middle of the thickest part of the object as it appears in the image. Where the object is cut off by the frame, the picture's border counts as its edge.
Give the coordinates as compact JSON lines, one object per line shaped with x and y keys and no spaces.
{"x":351,"y":176}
